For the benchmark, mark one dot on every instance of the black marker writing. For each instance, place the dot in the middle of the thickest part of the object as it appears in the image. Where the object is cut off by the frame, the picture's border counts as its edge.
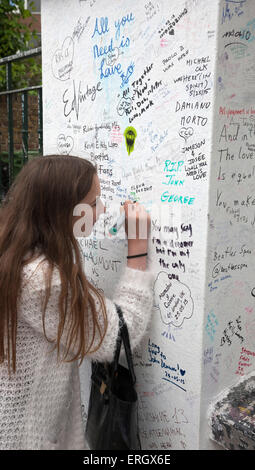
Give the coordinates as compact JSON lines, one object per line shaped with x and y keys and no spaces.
{"x":72,"y":99}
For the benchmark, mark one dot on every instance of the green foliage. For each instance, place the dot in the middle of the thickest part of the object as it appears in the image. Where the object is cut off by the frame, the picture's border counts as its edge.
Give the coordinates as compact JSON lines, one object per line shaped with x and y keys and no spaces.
{"x":15,"y":36}
{"x":27,"y":72}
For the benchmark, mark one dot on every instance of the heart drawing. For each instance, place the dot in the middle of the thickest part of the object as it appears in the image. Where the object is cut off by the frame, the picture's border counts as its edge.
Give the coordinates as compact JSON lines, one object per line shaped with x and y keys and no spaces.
{"x":62,"y":60}
{"x":186,"y":132}
{"x":65,"y":144}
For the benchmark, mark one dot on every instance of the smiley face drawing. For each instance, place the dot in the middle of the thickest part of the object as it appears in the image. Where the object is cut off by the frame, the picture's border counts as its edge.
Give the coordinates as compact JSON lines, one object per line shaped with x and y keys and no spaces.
{"x":130,"y":136}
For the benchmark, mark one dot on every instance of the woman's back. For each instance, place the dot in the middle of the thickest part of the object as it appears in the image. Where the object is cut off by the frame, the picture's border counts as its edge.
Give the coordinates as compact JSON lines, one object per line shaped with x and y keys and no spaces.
{"x":40,"y":405}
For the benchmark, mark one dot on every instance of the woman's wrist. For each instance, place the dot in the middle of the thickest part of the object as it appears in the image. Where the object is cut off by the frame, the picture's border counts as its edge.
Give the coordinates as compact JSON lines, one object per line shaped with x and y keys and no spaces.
{"x":137,"y":247}
{"x":138,"y":263}
{"x":137,"y":256}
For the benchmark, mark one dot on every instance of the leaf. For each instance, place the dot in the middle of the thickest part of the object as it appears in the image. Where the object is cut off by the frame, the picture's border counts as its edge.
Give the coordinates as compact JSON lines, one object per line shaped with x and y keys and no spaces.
{"x":14,"y":34}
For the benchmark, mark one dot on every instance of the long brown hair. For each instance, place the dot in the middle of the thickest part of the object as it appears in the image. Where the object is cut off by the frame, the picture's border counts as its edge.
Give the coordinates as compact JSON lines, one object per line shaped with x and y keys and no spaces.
{"x":37,"y":212}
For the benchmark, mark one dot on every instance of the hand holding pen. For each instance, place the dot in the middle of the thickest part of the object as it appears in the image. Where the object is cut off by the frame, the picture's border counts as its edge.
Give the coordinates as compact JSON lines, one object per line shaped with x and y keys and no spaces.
{"x":137,"y":226}
{"x":136,"y":218}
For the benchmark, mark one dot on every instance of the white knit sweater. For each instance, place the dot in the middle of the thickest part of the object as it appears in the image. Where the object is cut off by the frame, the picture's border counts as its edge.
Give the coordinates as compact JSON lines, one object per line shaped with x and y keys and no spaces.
{"x":40,"y":405}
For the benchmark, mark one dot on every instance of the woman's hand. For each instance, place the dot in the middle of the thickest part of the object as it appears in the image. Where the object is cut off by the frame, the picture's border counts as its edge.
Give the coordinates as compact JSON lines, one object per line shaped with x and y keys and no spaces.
{"x":137,"y":227}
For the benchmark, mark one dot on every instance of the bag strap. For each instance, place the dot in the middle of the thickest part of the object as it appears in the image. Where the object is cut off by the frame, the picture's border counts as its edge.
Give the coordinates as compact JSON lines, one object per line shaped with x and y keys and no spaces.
{"x":124,"y":337}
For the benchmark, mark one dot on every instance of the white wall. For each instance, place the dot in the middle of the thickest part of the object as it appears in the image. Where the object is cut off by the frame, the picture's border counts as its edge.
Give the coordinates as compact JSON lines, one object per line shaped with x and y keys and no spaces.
{"x":229,"y":328}
{"x":164,"y":83}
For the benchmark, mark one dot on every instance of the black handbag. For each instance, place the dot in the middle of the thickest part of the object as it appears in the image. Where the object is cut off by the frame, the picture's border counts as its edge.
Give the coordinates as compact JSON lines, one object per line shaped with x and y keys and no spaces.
{"x":112,"y":422}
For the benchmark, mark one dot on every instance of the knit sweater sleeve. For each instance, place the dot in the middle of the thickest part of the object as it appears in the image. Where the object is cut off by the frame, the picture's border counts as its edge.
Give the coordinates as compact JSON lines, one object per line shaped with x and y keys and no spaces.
{"x":133,"y":293}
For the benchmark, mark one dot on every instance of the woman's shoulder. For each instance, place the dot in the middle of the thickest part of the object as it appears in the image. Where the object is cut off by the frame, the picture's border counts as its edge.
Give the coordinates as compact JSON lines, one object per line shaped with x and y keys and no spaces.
{"x":36,"y":268}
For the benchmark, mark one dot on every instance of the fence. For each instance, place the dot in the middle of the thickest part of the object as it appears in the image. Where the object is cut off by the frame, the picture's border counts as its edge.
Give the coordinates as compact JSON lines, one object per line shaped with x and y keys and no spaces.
{"x":12,"y":164}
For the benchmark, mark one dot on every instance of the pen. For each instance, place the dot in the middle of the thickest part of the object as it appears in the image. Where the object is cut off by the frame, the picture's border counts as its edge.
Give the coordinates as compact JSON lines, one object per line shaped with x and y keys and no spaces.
{"x":118,"y":223}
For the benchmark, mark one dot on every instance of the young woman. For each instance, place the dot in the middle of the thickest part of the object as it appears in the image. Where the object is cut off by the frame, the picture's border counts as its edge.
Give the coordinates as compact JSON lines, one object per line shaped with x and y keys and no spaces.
{"x":51,"y":316}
